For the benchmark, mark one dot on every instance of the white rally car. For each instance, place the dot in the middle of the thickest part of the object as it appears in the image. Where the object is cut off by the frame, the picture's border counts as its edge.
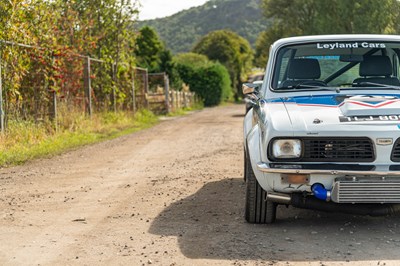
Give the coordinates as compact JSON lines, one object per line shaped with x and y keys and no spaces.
{"x":324,"y":128}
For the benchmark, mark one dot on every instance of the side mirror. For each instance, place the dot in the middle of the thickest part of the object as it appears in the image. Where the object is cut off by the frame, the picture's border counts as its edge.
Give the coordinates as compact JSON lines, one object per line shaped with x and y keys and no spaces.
{"x":250,"y":88}
{"x":251,"y":91}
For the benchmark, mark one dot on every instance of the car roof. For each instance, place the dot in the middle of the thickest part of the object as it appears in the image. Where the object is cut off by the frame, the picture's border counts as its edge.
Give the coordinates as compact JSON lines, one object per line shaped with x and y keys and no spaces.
{"x":338,"y":37}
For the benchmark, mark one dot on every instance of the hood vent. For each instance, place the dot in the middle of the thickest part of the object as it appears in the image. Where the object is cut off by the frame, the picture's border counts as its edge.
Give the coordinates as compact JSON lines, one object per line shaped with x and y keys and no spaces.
{"x":370,"y":105}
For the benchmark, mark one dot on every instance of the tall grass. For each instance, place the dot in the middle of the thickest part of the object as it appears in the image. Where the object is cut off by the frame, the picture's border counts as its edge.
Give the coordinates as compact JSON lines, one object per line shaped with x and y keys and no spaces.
{"x":26,"y":140}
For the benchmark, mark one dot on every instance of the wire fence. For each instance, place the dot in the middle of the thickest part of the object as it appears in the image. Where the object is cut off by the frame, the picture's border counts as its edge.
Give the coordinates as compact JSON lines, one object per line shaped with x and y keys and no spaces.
{"x":37,"y":84}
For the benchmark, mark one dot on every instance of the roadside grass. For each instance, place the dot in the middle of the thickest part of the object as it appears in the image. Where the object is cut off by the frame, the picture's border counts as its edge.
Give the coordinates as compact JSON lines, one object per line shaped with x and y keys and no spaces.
{"x":185,"y":110}
{"x":25,"y":140}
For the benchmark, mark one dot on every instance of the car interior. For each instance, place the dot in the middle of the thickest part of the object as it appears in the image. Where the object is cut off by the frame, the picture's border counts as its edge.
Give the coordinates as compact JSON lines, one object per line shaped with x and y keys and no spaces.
{"x":304,"y":68}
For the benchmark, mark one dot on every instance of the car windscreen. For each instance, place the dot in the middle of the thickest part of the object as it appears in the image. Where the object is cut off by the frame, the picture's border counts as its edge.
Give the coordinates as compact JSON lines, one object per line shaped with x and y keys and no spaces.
{"x":336,"y":64}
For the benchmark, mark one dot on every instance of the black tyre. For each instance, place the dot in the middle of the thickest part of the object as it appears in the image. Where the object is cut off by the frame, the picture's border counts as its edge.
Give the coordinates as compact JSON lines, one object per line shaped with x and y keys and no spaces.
{"x":245,"y":166}
{"x":257,"y":210}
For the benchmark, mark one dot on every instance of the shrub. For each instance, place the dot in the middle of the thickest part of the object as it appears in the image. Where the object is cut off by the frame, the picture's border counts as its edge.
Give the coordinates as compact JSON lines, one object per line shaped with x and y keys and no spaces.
{"x":212,"y":84}
{"x":207,"y":79}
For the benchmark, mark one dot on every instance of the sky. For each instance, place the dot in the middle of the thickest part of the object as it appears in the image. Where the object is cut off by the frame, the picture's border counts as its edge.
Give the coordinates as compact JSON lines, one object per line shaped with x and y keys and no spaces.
{"x":162,"y":8}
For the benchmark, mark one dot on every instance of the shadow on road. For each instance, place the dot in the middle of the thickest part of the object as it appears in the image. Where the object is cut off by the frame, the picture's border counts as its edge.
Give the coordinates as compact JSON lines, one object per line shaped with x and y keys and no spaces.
{"x":239,"y":115}
{"x":210,"y":224}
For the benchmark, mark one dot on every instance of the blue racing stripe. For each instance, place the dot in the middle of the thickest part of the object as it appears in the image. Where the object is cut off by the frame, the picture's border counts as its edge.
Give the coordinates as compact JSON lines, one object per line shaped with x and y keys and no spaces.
{"x":330,"y":100}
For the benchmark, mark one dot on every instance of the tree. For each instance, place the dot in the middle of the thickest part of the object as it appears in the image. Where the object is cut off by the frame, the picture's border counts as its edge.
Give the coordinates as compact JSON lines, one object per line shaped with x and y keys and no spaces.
{"x":28,"y":24}
{"x":306,"y":17}
{"x":263,"y":43}
{"x":64,"y":29}
{"x":168,"y":66}
{"x":356,"y":16}
{"x":148,"y":49}
{"x":309,"y":17}
{"x":231,"y":50}
{"x":295,"y":17}
{"x":151,"y":54}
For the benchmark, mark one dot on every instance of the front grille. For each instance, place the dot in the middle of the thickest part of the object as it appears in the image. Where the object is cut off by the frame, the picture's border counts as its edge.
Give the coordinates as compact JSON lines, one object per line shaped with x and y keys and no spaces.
{"x":395,"y":157}
{"x":366,"y":191}
{"x":338,"y":150}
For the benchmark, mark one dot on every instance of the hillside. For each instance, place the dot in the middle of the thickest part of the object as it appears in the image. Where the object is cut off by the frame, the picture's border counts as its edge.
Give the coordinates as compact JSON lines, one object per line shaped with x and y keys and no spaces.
{"x":181,"y":31}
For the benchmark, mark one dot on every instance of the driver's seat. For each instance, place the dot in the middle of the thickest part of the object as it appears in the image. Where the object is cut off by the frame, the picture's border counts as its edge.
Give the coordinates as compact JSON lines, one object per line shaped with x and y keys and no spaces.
{"x":376,"y":69}
{"x":303,"y":71}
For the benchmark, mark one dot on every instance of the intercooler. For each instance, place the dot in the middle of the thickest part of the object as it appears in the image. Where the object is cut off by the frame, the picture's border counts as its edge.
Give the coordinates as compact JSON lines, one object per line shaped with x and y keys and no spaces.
{"x":366,"y":190}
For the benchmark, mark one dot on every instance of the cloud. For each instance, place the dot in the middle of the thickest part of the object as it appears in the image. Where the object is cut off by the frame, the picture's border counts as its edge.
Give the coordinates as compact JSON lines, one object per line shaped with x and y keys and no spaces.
{"x":162,"y":8}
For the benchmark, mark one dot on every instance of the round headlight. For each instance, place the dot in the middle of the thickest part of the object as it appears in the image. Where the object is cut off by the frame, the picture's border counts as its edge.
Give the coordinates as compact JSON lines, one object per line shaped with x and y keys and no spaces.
{"x":286,"y":148}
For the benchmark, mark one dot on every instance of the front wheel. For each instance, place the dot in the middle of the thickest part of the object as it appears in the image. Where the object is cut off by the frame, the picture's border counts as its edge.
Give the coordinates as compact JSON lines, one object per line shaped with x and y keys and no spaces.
{"x":258,"y":209}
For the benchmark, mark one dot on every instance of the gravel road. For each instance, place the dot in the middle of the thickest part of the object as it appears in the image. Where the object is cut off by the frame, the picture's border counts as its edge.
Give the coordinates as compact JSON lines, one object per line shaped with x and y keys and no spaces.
{"x":170,"y":195}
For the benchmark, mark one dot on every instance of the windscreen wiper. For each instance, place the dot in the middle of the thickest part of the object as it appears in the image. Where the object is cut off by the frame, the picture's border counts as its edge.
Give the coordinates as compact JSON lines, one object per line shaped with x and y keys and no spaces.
{"x":394,"y":87}
{"x":308,"y":87}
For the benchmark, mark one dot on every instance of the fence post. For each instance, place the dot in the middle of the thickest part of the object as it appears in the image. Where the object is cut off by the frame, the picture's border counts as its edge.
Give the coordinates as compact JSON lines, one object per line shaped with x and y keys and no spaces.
{"x":166,"y":84}
{"x":185,"y":103}
{"x":192,"y":100}
{"x":133,"y":91}
{"x":146,"y":89}
{"x":114,"y":78}
{"x":171,"y":93}
{"x":176,"y":100}
{"x":1,"y":98}
{"x":87,"y":85}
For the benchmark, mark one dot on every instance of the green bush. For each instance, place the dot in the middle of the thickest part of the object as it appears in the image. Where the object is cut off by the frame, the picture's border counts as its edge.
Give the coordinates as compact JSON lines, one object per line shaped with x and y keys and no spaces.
{"x":207,"y":79}
{"x":212,"y":84}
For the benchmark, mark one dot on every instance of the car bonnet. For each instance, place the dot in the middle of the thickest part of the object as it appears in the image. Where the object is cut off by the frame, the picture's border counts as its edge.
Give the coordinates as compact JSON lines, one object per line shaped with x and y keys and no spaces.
{"x":341,"y":112}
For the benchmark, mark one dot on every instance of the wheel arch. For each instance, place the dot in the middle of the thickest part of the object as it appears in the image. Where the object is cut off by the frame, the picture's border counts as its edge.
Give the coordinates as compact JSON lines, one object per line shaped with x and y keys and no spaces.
{"x":253,"y":149}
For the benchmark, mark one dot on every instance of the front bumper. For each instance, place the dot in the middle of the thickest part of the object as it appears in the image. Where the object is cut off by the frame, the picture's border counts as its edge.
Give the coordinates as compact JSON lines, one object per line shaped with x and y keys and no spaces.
{"x":343,"y":186}
{"x":264,"y":167}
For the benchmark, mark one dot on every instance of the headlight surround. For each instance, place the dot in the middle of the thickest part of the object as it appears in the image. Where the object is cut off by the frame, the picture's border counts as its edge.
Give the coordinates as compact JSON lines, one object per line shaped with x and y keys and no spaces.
{"x":286,"y":148}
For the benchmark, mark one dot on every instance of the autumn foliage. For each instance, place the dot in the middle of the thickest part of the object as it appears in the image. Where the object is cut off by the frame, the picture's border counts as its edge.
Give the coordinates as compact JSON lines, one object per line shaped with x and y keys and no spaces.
{"x":44,"y":45}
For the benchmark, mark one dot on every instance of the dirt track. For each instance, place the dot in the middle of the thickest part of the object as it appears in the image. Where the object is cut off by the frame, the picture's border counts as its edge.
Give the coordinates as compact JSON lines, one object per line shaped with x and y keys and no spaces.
{"x":170,"y":195}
